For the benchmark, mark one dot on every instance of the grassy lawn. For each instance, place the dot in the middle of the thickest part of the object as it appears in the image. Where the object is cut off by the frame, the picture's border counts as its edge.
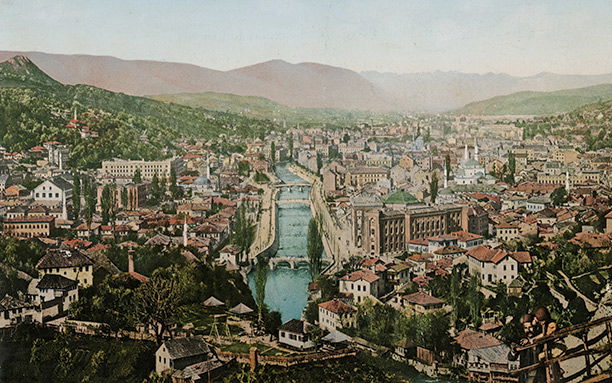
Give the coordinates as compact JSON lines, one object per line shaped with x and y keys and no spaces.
{"x":203,"y":318}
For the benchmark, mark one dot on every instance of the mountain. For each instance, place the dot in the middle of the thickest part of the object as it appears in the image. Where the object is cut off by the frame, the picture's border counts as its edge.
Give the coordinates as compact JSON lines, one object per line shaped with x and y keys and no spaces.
{"x":303,"y":85}
{"x":539,"y":103}
{"x":35,"y":108}
{"x":444,"y":91}
{"x":263,"y":108}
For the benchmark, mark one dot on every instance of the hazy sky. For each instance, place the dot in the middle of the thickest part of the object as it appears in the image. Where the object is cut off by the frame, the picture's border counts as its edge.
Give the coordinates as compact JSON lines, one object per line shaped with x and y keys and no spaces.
{"x":516,"y":37}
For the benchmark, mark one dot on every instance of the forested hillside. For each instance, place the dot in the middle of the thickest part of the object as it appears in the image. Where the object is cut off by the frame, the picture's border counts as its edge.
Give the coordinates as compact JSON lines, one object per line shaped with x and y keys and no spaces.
{"x":35,"y":108}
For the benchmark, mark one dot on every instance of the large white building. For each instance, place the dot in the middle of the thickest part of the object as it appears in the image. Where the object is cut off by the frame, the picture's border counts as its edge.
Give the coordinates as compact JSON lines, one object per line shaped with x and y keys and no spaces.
{"x":148,"y":169}
{"x":54,"y":191}
{"x":496,"y":265}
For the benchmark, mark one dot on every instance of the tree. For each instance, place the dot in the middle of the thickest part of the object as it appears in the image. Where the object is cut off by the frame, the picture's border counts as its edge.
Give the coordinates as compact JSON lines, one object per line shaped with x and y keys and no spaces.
{"x":137,"y":177}
{"x":346,"y":138}
{"x":474,"y":300}
{"x":315,"y":248}
{"x":319,"y":162}
{"x":244,"y":232}
{"x":76,"y":196}
{"x":290,"y":141}
{"x":261,"y":278}
{"x":447,"y":165}
{"x":511,"y":169}
{"x":155,"y":190}
{"x":124,"y":197}
{"x":273,"y":152}
{"x":433,"y":187}
{"x":173,"y":187}
{"x":159,"y":300}
{"x":105,"y":204}
{"x":558,"y":196}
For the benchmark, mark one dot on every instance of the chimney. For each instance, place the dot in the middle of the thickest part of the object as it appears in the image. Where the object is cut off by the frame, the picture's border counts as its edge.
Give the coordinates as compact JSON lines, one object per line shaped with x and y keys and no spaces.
{"x":130,"y":261}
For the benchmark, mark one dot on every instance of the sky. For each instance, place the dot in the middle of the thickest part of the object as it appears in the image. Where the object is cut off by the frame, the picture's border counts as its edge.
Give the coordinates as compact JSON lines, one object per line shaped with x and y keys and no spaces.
{"x":403,"y":36}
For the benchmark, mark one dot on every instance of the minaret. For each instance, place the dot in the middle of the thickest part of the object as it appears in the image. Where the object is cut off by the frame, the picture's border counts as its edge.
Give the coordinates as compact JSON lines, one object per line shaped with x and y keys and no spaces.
{"x":185,"y":232}
{"x":64,"y":208}
{"x":75,"y":113}
{"x":208,"y":167}
{"x":475,"y":150}
{"x":466,"y":153}
{"x":567,"y":181}
{"x":61,"y":160}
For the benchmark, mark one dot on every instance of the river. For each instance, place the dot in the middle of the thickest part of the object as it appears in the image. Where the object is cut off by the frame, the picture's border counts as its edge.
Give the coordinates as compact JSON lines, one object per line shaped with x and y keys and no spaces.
{"x":286,"y":288}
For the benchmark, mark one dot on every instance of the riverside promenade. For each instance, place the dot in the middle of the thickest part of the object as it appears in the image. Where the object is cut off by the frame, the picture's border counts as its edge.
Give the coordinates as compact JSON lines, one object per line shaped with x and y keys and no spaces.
{"x":266,"y":225}
{"x":334,"y":237}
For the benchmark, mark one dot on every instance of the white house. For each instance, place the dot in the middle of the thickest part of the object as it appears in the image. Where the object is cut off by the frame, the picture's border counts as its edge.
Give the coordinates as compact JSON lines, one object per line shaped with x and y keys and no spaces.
{"x":55,"y":294}
{"x":179,"y":353}
{"x":53,"y":191}
{"x":494,"y":265}
{"x":295,"y":333}
{"x":71,"y":264}
{"x":362,"y":284}
{"x":14,"y":311}
{"x":336,"y":314}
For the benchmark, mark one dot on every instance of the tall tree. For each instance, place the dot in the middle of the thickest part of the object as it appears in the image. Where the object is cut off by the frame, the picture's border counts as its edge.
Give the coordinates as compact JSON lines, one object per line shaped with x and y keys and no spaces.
{"x":447,"y":165}
{"x":273,"y":152}
{"x":261,"y":278}
{"x":124,"y":197}
{"x":244,"y":232}
{"x":314,"y":248}
{"x":158,"y":301}
{"x":105,"y":204}
{"x":137,"y":177}
{"x":174,"y":189}
{"x":290,"y":141}
{"x":433,"y":187}
{"x":76,"y":196}
{"x":155,"y":190}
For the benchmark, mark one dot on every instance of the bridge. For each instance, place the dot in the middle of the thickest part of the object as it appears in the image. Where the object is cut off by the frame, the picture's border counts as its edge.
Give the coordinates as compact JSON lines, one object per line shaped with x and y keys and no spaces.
{"x":293,"y":262}
{"x":594,"y":350}
{"x":300,"y":186}
{"x":287,"y":201}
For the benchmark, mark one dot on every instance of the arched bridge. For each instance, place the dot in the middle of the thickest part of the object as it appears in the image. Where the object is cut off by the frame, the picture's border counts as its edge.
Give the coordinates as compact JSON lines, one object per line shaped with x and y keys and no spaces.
{"x":299,"y":186}
{"x":293,"y":262}
{"x":286,"y":201}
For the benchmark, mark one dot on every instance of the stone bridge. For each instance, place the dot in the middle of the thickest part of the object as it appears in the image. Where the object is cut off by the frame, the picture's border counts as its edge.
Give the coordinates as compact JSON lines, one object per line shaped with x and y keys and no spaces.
{"x":293,"y":262}
{"x":299,"y":186}
{"x":287,"y":201}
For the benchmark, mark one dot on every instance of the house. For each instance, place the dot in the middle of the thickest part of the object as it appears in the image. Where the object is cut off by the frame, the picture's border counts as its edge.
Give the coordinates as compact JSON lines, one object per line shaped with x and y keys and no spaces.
{"x":229,"y":254}
{"x":398,"y":274}
{"x":54,"y":191}
{"x":536,"y":204}
{"x":179,"y":353}
{"x":496,"y":265}
{"x":295,"y":333}
{"x":71,"y":264}
{"x":28,"y":227}
{"x":362,"y":284}
{"x":485,"y":357}
{"x":468,"y":240}
{"x":420,"y":302}
{"x":507,"y":232}
{"x":55,"y":294}
{"x":14,"y":311}
{"x":336,"y":314}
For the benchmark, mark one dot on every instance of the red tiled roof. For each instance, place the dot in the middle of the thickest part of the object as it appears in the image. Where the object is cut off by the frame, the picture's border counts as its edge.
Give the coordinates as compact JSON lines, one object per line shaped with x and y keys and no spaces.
{"x":471,"y":340}
{"x":423,"y":299}
{"x":464,"y":236}
{"x":366,"y":275}
{"x":337,"y":306}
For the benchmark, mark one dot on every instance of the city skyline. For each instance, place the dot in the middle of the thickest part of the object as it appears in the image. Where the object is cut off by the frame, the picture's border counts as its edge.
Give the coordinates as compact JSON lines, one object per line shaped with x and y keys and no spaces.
{"x":521,"y":39}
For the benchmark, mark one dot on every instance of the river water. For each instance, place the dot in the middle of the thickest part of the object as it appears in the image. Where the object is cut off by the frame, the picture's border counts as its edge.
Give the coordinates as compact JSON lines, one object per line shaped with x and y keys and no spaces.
{"x":286,"y":288}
